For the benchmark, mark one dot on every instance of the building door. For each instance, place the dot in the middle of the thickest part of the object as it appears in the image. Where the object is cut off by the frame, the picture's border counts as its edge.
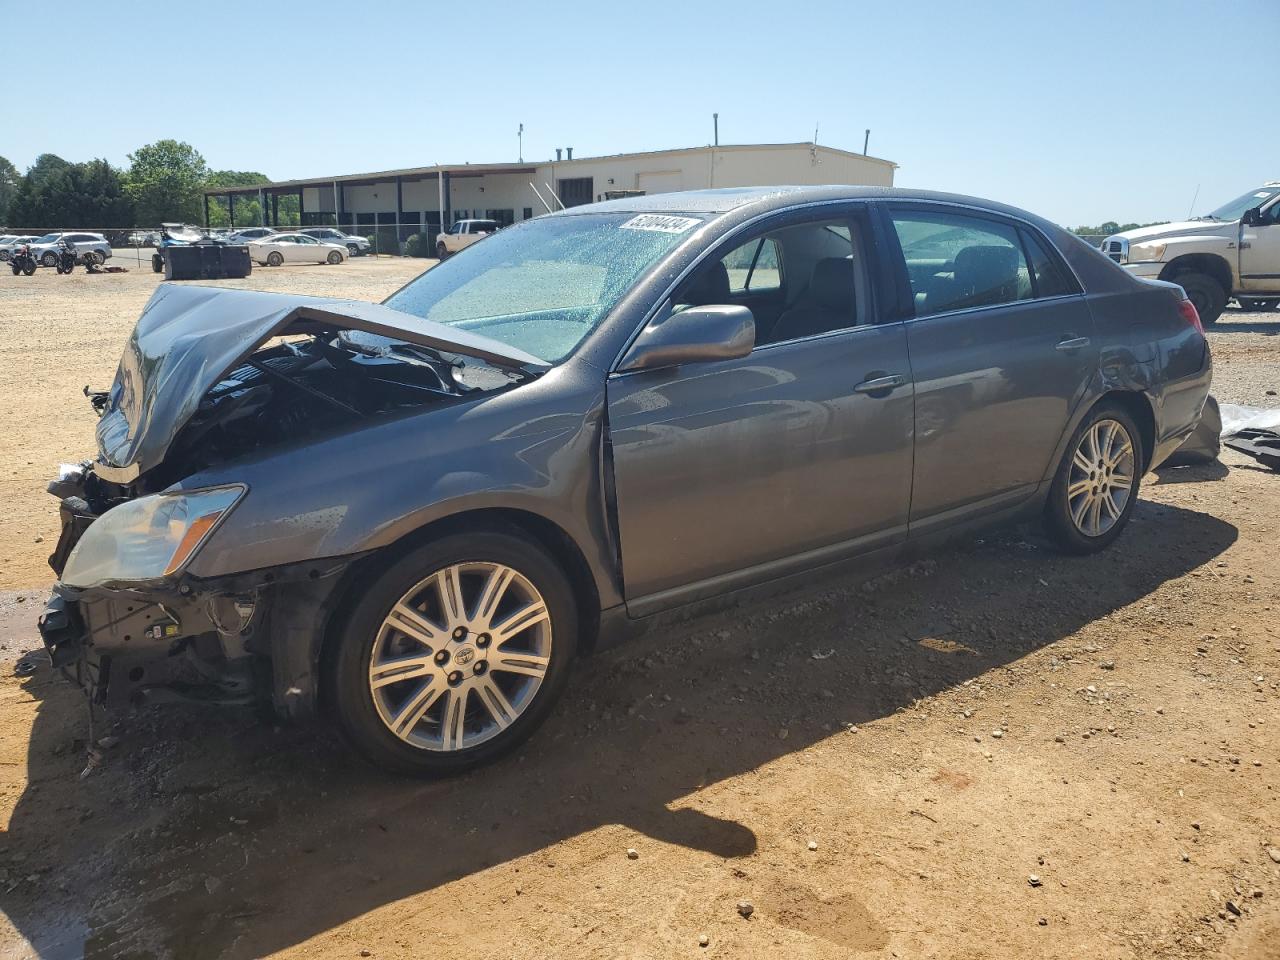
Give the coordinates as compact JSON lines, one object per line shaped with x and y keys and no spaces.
{"x":576,"y":191}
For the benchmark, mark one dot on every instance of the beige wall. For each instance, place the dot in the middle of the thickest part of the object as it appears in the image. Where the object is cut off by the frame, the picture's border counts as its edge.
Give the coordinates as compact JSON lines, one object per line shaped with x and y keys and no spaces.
{"x":661,"y":172}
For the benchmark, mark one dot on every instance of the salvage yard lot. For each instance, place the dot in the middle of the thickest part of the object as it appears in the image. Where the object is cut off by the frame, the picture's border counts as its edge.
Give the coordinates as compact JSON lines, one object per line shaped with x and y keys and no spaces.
{"x":1002,"y":752}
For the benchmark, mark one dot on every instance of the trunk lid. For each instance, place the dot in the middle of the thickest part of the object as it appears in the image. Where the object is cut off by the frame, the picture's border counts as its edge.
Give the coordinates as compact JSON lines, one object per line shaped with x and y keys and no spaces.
{"x":189,"y":338}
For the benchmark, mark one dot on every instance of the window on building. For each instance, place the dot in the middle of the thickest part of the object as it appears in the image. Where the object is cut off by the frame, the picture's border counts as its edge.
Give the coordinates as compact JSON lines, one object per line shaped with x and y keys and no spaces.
{"x":503,"y":218}
{"x":528,"y":213}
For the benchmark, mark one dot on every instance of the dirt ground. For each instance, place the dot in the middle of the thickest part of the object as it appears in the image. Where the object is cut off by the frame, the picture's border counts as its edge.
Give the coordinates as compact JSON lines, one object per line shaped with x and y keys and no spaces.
{"x":998,"y":753}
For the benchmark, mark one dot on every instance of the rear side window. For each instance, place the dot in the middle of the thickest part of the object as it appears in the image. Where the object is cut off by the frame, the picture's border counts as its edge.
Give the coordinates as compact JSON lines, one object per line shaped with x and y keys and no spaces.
{"x":1049,"y":277}
{"x":956,"y":262}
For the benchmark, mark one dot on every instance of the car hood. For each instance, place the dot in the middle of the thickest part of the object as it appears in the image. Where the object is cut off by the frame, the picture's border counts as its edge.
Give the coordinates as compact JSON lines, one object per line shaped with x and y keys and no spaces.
{"x":1182,"y":228}
{"x":189,"y":338}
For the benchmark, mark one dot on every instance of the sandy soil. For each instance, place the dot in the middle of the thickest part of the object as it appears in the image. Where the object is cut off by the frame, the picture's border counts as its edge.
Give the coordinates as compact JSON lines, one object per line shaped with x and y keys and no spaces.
{"x":1002,"y":752}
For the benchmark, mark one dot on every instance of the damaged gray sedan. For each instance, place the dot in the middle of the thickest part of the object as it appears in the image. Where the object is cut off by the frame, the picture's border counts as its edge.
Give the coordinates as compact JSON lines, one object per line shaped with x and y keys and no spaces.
{"x":415,"y":514}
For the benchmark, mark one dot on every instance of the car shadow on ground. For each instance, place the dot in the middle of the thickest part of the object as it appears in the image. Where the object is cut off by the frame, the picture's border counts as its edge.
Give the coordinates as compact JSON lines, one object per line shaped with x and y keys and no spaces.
{"x":209,"y":834}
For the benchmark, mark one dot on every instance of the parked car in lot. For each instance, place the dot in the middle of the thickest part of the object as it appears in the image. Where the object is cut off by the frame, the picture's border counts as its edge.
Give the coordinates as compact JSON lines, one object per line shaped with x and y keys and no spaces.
{"x":355,"y":245}
{"x":251,"y":233}
{"x":11,"y":242}
{"x":462,"y":234}
{"x":419,"y":512}
{"x":47,"y":249}
{"x":1232,"y":252}
{"x":281,"y":248}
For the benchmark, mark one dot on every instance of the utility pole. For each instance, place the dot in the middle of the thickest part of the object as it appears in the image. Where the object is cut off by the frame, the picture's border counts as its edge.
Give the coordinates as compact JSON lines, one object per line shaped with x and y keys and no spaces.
{"x":865,"y":141}
{"x":520,"y":138}
{"x":715,"y":121}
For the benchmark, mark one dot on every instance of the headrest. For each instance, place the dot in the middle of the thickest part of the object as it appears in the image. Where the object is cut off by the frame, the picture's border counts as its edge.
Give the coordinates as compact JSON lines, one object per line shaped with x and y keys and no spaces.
{"x":710,"y":286}
{"x":981,"y":269}
{"x":832,"y":283}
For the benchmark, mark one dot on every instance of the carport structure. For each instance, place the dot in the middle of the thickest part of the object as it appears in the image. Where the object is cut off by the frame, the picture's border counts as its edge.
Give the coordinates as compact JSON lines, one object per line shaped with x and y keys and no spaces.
{"x":391,"y":204}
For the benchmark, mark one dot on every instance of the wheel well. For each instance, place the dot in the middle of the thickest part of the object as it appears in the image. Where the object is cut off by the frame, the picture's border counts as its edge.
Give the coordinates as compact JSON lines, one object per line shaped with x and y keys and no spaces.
{"x":1138,"y":407}
{"x":1207,"y":263}
{"x":540,"y":530}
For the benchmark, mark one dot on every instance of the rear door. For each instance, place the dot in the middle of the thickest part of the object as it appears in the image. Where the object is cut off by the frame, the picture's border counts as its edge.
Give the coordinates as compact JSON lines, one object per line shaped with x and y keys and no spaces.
{"x":1002,"y":349}
{"x":735,"y":471}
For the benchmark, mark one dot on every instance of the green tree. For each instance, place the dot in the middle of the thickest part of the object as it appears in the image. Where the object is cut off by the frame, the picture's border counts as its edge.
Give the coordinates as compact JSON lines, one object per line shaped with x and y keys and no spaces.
{"x":85,"y":195}
{"x":164,"y":181}
{"x":9,"y":178}
{"x":248,"y":210}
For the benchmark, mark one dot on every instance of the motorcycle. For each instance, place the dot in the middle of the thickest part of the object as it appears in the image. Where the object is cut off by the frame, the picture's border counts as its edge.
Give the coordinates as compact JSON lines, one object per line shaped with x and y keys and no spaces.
{"x":22,"y":261}
{"x":66,"y":257}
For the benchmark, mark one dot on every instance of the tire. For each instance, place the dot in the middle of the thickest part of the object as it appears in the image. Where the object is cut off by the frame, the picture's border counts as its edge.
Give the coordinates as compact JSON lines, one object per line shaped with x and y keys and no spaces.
{"x":5,"y":254}
{"x":157,"y":263}
{"x":16,"y":269}
{"x":49,"y":259}
{"x":1070,"y":508}
{"x":334,"y":257}
{"x":94,"y":257}
{"x":442,"y":252}
{"x":29,"y":269}
{"x":353,"y":250}
{"x":1206,"y":293}
{"x":274,"y":259}
{"x":542,"y":651}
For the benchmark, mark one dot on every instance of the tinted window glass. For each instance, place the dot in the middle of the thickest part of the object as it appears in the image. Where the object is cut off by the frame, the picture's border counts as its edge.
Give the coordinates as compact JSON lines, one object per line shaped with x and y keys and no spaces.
{"x":956,"y":262}
{"x":754,"y":266}
{"x":1050,"y":278}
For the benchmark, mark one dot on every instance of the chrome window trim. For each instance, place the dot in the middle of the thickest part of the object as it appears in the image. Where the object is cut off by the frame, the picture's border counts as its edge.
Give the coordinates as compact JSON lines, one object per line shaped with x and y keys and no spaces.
{"x":995,"y":306}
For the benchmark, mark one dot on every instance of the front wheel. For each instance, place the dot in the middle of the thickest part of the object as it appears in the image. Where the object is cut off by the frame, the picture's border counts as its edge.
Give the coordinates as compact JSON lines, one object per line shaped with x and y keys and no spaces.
{"x":441,"y":251}
{"x":50,"y":259}
{"x":353,"y":250}
{"x":455,"y":654}
{"x":30,"y":268}
{"x":1096,"y":485}
{"x":1205,"y":293}
{"x":157,"y":263}
{"x":334,"y":257}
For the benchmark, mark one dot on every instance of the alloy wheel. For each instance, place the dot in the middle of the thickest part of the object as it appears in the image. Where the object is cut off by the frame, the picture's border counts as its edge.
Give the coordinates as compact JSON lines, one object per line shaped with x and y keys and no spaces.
{"x":461,"y":656}
{"x":1101,"y":478}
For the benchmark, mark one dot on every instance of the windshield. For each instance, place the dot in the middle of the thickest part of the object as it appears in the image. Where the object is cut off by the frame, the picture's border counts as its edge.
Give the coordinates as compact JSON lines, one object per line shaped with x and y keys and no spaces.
{"x":543,"y":285}
{"x":1236,"y":208}
{"x":48,"y":238}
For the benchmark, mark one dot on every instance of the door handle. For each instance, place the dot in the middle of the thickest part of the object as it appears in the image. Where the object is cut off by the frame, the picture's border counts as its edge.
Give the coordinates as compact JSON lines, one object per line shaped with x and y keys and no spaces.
{"x":1072,"y":345}
{"x":879,"y":384}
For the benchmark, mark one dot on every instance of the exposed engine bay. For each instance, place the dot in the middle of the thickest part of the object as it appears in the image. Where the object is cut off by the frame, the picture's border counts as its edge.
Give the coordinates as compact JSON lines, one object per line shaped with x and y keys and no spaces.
{"x":296,"y":389}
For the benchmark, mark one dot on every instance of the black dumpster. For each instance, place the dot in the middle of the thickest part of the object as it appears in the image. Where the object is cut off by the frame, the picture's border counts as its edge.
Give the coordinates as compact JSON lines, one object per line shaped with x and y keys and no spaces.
{"x":206,"y":261}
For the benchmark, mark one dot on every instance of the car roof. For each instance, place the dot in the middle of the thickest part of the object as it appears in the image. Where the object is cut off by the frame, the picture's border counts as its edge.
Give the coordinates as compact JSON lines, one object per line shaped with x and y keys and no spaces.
{"x":724,"y":200}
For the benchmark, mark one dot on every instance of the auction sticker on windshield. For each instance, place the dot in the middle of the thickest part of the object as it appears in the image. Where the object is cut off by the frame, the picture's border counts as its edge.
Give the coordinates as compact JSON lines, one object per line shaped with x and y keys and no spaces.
{"x":660,"y":223}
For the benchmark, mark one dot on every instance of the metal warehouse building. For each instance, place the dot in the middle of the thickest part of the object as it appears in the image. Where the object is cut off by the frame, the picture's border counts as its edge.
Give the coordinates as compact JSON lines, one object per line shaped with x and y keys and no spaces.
{"x":398,"y":203}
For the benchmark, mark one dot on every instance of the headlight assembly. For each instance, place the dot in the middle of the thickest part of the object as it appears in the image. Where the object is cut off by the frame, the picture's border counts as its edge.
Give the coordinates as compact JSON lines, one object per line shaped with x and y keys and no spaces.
{"x":148,"y":538}
{"x":1146,"y":252}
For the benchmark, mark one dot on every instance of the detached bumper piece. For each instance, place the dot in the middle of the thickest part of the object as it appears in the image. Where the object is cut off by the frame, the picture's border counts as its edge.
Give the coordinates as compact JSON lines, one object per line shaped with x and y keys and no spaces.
{"x":62,"y":631}
{"x":1262,"y":445}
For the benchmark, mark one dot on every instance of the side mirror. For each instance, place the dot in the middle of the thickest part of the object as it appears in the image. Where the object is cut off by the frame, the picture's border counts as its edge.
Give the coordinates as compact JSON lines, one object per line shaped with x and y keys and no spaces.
{"x":1251,"y":217}
{"x":694,"y":335}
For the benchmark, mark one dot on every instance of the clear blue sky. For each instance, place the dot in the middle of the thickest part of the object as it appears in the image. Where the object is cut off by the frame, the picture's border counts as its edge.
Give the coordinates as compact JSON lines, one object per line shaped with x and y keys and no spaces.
{"x":1078,"y":110}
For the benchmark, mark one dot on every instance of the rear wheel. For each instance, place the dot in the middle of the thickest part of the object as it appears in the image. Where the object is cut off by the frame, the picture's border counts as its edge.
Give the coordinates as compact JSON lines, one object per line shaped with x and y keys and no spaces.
{"x":441,"y":251}
{"x":49,"y":259}
{"x":274,"y":259}
{"x":157,"y":263}
{"x":1096,"y":485}
{"x":1205,"y":293}
{"x":334,"y":257}
{"x":455,"y":654}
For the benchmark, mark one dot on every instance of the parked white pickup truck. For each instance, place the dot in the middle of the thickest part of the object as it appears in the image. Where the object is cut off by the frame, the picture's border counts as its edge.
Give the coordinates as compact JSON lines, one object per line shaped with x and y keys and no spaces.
{"x":463,"y":234}
{"x":1232,"y":252}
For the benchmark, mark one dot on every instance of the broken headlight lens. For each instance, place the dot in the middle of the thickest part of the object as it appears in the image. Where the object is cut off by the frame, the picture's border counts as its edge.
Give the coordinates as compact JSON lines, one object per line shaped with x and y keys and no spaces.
{"x":148,"y":538}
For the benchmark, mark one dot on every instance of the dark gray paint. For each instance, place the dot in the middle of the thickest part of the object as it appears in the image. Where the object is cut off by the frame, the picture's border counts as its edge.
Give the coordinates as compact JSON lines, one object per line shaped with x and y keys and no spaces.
{"x":678,"y":483}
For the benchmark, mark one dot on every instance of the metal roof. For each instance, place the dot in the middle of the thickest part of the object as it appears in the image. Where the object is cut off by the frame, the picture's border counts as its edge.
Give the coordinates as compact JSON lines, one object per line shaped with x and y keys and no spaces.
{"x":495,"y":169}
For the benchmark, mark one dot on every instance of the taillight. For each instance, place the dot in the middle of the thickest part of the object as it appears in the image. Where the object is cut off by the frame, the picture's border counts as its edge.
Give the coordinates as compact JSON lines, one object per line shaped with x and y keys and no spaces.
{"x":1190,"y":314}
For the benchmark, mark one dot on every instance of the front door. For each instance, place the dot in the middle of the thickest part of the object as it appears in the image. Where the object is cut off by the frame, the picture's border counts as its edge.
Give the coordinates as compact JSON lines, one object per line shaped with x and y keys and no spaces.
{"x":732,"y":471}
{"x":1260,"y":252}
{"x":1002,"y":348}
